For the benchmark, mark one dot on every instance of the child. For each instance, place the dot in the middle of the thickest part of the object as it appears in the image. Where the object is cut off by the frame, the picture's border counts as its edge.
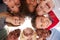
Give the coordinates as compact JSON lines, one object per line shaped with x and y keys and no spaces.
{"x":13,"y":35}
{"x":44,"y":6}
{"x":43,"y":34}
{"x":13,"y":5}
{"x":31,"y":4}
{"x":41,"y":22}
{"x":28,"y":34}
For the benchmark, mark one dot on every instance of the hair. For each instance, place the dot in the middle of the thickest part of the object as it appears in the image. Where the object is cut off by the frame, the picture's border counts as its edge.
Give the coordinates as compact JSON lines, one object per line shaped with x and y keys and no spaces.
{"x":33,"y":21}
{"x":20,"y":11}
{"x":16,"y":34}
{"x":24,"y":8}
{"x":28,"y":29}
{"x":42,"y":33}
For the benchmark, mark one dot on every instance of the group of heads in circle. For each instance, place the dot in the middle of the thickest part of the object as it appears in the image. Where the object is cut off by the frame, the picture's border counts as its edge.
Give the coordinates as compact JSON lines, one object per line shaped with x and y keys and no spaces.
{"x":29,"y":34}
{"x":37,"y":10}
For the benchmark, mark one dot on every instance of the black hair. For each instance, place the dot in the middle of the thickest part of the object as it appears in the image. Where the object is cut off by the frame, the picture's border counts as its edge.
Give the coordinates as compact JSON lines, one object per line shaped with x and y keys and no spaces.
{"x":33,"y":21}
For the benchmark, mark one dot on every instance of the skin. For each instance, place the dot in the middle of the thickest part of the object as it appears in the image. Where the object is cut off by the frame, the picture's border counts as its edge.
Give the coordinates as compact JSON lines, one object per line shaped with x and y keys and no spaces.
{"x":31,"y":4}
{"x":14,"y":20}
{"x":13,"y":35}
{"x":39,"y":10}
{"x":13,"y":5}
{"x":42,"y":22}
{"x":44,"y":7}
{"x":28,"y":32}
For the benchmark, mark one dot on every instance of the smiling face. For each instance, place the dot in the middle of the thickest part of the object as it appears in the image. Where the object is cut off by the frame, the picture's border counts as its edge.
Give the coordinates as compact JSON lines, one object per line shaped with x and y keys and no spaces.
{"x":14,"y":35}
{"x":42,"y":22}
{"x":13,"y":5}
{"x":31,"y":4}
{"x":43,"y":33}
{"x":39,"y":10}
{"x":28,"y":33}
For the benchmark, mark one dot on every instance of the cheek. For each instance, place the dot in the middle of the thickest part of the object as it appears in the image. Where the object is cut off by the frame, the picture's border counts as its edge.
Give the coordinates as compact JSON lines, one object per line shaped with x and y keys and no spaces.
{"x":38,"y":9}
{"x":21,"y":20}
{"x":38,"y":24}
{"x":34,"y":3}
{"x":28,"y":1}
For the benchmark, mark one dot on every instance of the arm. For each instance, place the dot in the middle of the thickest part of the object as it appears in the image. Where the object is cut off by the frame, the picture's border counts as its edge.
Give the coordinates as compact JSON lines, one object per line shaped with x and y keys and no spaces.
{"x":54,"y":20}
{"x":3,"y":16}
{"x":14,"y":20}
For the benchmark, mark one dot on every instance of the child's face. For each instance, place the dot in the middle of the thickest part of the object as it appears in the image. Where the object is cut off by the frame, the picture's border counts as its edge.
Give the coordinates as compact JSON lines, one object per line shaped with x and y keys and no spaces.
{"x":31,"y":4}
{"x":43,"y":33}
{"x":42,"y":22}
{"x":28,"y":33}
{"x":45,"y":7}
{"x":13,"y":5}
{"x":39,"y":10}
{"x":14,"y":35}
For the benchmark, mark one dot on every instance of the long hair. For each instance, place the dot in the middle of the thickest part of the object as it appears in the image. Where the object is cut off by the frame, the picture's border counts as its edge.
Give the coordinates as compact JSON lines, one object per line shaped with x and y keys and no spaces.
{"x":24,"y":8}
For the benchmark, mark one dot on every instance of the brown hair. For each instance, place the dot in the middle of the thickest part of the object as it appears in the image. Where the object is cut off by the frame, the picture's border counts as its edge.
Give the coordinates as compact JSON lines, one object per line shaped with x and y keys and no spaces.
{"x":42,"y":33}
{"x":15,"y":33}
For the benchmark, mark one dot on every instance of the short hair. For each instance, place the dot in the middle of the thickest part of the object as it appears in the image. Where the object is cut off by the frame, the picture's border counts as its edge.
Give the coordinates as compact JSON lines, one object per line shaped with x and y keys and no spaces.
{"x":33,"y":21}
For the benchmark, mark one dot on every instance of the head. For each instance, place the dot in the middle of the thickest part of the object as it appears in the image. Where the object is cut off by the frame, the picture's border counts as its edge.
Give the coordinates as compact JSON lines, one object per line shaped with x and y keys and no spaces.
{"x":31,"y":4}
{"x":39,"y":10}
{"x":40,"y":1}
{"x":17,"y":20}
{"x":13,"y":35}
{"x":28,"y":33}
{"x":13,"y":5}
{"x":43,"y":7}
{"x":43,"y":33}
{"x":41,"y":22}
